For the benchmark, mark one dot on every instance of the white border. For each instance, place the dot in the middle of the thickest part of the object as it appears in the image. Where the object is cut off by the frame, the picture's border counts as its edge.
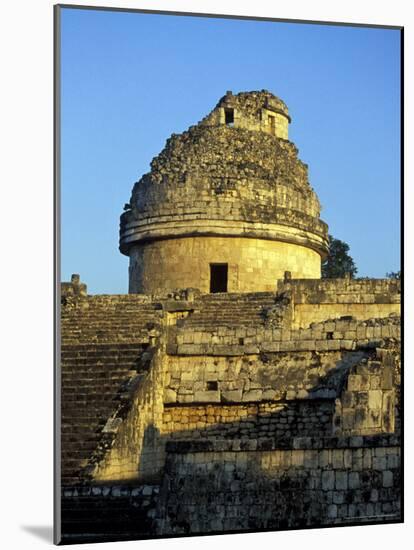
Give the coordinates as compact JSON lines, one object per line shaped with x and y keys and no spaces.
{"x":27,"y":275}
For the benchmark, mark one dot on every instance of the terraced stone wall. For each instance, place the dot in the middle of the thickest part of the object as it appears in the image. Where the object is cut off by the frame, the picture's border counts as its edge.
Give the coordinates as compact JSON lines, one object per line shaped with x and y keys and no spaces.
{"x":244,"y":485}
{"x":192,"y":413}
{"x":340,"y":376}
{"x":315,"y":301}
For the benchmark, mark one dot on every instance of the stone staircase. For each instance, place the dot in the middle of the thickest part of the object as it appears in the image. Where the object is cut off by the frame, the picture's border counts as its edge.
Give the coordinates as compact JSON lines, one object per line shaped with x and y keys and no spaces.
{"x":102,"y":347}
{"x":236,"y":310}
{"x":105,"y":318}
{"x":95,"y":381}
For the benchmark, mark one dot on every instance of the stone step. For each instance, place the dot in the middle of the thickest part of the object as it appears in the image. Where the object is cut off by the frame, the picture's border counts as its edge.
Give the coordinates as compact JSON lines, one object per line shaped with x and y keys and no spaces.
{"x":90,"y":355}
{"x":88,"y":346}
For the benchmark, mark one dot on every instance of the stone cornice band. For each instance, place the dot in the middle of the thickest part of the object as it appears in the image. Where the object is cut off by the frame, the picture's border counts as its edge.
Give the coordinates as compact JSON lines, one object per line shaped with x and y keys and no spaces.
{"x":135,"y":232}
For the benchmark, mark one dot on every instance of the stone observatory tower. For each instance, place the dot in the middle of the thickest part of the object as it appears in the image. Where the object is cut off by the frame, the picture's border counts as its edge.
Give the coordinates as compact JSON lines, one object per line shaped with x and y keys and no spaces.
{"x":226,"y":207}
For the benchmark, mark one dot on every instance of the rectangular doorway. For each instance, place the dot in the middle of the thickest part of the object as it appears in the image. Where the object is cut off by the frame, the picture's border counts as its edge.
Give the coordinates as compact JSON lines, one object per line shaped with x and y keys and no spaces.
{"x":272,"y":124}
{"x":218,"y":277}
{"x":229,"y":117}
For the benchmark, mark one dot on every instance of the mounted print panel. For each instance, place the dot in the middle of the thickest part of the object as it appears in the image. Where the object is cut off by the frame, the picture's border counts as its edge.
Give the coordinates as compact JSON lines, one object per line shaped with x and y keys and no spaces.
{"x":230,"y":350}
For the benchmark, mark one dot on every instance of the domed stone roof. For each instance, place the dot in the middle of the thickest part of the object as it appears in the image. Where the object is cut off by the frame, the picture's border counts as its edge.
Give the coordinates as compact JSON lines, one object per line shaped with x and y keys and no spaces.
{"x":235,"y":173}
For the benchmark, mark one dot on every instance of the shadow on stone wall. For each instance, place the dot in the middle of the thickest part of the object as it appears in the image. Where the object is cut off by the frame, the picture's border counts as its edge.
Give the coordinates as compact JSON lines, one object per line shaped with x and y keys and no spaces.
{"x":279,"y":466}
{"x":220,"y":489}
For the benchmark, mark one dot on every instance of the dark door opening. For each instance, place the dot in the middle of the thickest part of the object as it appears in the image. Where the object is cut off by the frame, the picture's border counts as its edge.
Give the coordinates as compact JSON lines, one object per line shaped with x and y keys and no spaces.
{"x":229,"y":116}
{"x":272,"y":123}
{"x":218,"y":277}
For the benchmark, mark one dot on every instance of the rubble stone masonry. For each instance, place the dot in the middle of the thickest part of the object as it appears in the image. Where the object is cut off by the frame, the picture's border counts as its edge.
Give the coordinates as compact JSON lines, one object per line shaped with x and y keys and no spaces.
{"x":230,"y":418}
{"x":234,"y":193}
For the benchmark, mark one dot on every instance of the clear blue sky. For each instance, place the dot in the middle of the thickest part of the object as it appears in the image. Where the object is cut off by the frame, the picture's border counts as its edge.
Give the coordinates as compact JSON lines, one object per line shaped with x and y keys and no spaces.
{"x":129,"y":80}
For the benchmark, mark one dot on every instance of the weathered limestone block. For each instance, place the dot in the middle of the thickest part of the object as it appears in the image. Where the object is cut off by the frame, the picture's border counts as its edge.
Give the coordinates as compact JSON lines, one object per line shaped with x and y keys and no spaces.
{"x":207,"y":396}
{"x":252,"y":395}
{"x":364,"y":406}
{"x":170,"y":396}
{"x":234,"y":395}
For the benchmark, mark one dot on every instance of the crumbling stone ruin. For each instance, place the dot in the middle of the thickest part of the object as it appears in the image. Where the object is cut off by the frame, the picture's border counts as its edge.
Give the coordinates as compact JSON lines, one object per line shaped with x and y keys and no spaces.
{"x":235,"y":174}
{"x":232,"y":389}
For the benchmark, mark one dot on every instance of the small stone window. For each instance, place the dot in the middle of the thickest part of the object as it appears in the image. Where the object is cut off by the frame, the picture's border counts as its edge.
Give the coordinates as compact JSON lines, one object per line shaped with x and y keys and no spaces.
{"x":212,"y":385}
{"x":229,"y":117}
{"x":329,"y":335}
{"x":218,"y":277}
{"x":272,"y":124}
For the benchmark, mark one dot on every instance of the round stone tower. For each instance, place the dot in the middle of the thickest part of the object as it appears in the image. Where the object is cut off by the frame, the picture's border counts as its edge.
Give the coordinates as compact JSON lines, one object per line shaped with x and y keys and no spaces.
{"x":226,"y":207}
